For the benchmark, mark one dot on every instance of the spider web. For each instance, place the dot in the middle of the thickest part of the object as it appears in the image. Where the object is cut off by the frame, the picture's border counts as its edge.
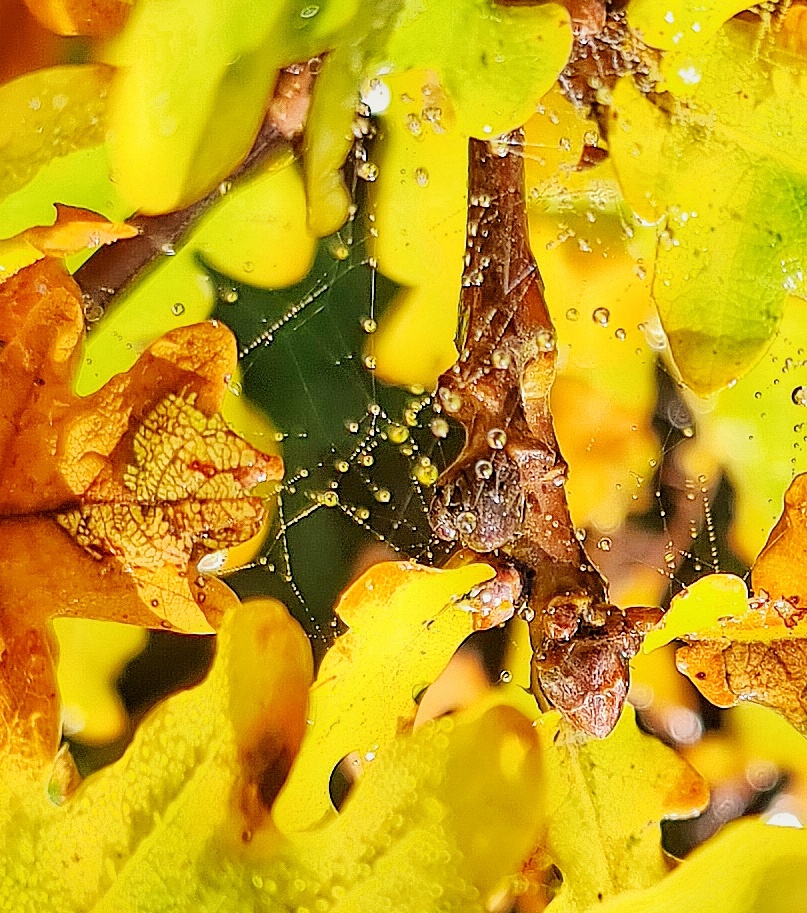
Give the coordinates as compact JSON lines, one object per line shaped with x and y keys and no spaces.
{"x":361,"y":455}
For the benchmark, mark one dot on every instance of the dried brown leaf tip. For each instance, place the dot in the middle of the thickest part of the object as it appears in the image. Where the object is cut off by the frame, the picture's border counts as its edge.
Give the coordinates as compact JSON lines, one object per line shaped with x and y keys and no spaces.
{"x":505,"y":492}
{"x":107,"y":502}
{"x":756,"y":650}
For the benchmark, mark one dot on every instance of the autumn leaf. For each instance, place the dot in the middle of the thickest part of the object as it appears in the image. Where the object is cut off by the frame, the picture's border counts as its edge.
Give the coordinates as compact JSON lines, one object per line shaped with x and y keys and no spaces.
{"x":719,"y":163}
{"x":749,"y":649}
{"x":107,"y":502}
{"x":750,"y":867}
{"x":605,"y":802}
{"x":405,"y":623}
{"x":95,"y":18}
{"x":74,"y":230}
{"x":149,"y":836}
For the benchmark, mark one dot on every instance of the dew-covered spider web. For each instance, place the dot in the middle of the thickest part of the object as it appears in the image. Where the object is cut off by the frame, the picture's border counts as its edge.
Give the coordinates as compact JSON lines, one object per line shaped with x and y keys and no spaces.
{"x":361,"y":456}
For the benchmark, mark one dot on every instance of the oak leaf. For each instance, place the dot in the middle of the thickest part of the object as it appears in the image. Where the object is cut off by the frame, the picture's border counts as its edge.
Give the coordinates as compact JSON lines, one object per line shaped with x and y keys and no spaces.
{"x":405,"y":623}
{"x":107,"y":502}
{"x":184,"y":814}
{"x":74,"y":230}
{"x":96,"y":18}
{"x":750,"y":649}
{"x":605,"y":803}
{"x":750,"y":867}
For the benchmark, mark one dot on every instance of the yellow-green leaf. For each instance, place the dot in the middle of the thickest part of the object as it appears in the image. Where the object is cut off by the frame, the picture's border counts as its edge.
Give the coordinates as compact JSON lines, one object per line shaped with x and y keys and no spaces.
{"x":724,"y":166}
{"x":91,"y":656}
{"x":405,"y":623}
{"x":605,"y":801}
{"x":699,"y":607}
{"x":48,"y":114}
{"x":749,"y":867}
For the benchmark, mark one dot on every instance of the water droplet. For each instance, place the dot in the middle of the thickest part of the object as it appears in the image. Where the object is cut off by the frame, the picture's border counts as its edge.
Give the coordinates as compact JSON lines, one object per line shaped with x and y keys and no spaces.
{"x":466,"y":522}
{"x":229,"y":295}
{"x":369,"y":325}
{"x":452,"y":402}
{"x":414,"y":124}
{"x":168,"y":250}
{"x":545,"y":340}
{"x":367,"y":171}
{"x":366,"y":459}
{"x":572,"y":314}
{"x":235,"y":388}
{"x":483,"y":469}
{"x":620,"y":334}
{"x":439,"y":427}
{"x":421,"y":177}
{"x":248,"y":266}
{"x":604,"y":544}
{"x":363,"y":514}
{"x":328,"y":498}
{"x":601,"y":316}
{"x":342,"y":465}
{"x":500,"y":358}
{"x":177,"y":309}
{"x":505,"y":676}
{"x":382,"y":496}
{"x":426,"y":473}
{"x":799,"y":396}
{"x":397,"y":433}
{"x":370,"y":362}
{"x":497,"y":438}
{"x":353,"y":427}
{"x":308,"y":12}
{"x":93,"y":311}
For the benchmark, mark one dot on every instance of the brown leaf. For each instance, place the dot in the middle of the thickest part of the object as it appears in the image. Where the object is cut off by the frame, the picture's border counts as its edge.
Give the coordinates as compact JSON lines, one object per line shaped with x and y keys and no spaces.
{"x":773,"y":674}
{"x":107,"y":502}
{"x":741,"y":649}
{"x":74,"y":230}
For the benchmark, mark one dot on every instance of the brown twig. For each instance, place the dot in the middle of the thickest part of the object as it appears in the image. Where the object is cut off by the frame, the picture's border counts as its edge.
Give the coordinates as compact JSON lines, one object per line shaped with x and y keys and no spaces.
{"x":112,"y":270}
{"x":504,"y":495}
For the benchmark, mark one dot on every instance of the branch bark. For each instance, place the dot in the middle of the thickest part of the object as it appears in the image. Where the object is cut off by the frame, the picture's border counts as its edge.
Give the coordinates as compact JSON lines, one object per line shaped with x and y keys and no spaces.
{"x":504,"y":495}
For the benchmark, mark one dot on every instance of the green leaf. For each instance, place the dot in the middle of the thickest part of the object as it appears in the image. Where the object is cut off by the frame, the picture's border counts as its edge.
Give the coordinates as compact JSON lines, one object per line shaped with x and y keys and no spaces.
{"x":724,"y":166}
{"x":495,"y":62}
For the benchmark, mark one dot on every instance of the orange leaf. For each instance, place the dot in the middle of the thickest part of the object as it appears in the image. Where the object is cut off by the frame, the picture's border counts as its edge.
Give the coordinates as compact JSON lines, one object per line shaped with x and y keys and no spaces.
{"x":107,"y":502}
{"x":75,"y":230}
{"x":96,"y":18}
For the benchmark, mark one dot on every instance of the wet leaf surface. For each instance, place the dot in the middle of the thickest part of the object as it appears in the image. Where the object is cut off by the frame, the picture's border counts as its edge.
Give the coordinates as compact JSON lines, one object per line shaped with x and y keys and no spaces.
{"x":107,"y":501}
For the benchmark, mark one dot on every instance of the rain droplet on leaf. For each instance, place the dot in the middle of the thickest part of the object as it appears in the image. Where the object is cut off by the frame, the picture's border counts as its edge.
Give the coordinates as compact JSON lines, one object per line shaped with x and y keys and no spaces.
{"x":601,"y":316}
{"x":497,"y":438}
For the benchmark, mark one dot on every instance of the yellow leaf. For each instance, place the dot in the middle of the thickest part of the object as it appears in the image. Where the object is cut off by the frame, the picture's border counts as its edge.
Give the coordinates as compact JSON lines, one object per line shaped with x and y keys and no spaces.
{"x":605,"y":801}
{"x":749,"y":867}
{"x":739,"y":649}
{"x":48,"y":114}
{"x":92,"y":655}
{"x":699,"y":608}
{"x":405,"y":623}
